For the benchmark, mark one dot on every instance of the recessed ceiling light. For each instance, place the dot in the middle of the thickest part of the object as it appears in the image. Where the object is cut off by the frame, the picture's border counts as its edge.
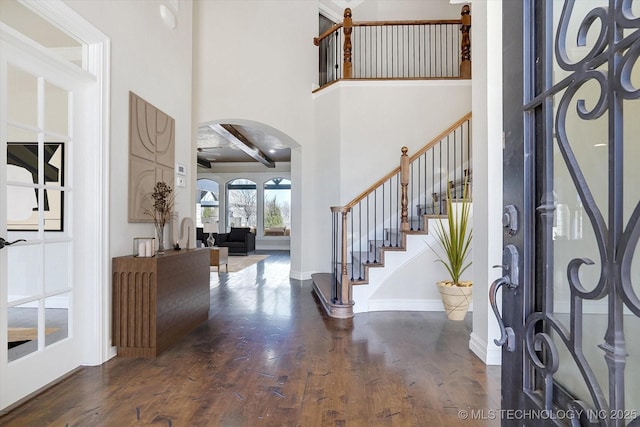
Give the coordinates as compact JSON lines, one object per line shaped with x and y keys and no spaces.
{"x":600,"y":145}
{"x":272,"y":150}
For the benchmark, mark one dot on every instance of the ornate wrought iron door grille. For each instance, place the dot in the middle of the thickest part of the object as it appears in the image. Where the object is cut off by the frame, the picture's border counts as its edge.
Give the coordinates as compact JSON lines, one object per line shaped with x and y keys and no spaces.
{"x":608,"y":36}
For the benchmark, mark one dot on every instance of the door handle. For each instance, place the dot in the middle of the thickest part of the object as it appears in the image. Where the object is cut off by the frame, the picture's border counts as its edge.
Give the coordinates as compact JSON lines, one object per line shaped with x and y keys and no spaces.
{"x":507,"y":335}
{"x":510,"y":279}
{"x":4,"y":243}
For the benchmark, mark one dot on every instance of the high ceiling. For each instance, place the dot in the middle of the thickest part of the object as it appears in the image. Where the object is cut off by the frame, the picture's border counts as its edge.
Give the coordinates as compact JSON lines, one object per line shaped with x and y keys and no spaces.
{"x":224,"y":143}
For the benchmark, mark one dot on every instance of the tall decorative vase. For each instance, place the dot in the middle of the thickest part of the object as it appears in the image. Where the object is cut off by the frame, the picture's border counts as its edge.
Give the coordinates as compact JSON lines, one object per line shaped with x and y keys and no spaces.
{"x":160,"y":234}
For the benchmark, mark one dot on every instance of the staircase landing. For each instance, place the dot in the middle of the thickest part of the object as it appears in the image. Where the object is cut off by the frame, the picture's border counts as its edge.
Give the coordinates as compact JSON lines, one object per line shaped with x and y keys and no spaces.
{"x":322,"y":283}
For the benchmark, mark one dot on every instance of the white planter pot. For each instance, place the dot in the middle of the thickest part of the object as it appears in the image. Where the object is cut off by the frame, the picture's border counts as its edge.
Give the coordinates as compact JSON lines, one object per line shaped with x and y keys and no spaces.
{"x":456,"y":299}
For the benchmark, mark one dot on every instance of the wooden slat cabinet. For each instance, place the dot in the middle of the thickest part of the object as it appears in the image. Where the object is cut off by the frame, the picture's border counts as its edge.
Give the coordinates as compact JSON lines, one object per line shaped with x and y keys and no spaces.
{"x":158,"y":300}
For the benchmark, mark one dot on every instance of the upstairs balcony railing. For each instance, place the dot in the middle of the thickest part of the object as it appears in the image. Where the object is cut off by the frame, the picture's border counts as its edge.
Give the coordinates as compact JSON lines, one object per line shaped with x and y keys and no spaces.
{"x":433,"y":49}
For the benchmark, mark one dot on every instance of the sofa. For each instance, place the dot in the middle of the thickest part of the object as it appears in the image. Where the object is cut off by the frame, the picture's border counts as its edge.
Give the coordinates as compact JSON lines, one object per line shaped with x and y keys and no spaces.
{"x":240,"y":240}
{"x":276,"y":231}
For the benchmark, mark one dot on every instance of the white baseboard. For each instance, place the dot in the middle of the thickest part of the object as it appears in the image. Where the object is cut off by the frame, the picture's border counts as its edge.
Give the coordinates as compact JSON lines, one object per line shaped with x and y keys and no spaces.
{"x":405,"y":305}
{"x":299,"y":275}
{"x":490,"y":354}
{"x":275,"y":245}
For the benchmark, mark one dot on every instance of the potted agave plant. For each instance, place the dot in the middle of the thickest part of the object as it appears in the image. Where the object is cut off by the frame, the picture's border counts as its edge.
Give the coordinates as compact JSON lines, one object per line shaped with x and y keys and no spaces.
{"x":453,"y":236}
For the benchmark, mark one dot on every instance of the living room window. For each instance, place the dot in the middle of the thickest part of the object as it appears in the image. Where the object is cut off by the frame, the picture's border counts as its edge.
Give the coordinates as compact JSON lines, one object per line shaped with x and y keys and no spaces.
{"x":207,"y":202}
{"x":277,"y":207}
{"x":242,"y":206}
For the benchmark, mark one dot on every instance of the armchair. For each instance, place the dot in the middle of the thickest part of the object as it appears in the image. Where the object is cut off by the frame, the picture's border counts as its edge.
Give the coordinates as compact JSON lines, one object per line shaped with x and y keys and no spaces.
{"x":240,"y":240}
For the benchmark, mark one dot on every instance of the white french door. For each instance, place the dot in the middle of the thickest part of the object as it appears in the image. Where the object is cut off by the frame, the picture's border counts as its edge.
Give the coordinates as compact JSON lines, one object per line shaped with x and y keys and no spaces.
{"x":40,"y":337}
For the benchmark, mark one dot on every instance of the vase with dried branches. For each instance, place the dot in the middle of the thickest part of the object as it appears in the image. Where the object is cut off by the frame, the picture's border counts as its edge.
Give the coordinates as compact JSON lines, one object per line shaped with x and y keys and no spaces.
{"x":162,"y":200}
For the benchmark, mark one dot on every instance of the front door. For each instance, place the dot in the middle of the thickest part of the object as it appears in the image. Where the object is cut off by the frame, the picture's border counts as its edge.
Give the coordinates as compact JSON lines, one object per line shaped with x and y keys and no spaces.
{"x":571,"y":275}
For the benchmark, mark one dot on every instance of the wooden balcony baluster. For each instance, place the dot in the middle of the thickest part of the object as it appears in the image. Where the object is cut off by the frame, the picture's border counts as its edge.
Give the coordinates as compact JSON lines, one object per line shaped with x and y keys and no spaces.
{"x":465,"y":44}
{"x":347,"y":28}
{"x":404,"y":183}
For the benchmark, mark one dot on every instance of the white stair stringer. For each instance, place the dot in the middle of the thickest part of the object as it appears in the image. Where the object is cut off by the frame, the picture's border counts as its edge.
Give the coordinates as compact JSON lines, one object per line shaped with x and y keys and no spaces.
{"x":407,"y":281}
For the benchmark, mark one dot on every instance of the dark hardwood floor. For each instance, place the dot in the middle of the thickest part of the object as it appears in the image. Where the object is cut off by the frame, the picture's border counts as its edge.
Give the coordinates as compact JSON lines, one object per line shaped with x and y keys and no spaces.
{"x":269,"y":357}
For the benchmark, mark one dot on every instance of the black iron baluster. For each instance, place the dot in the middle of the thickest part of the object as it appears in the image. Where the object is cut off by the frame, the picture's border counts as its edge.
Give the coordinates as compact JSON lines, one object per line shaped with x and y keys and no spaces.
{"x":390,"y":211}
{"x":334,"y":259}
{"x":383,"y":236}
{"x":409,"y":210}
{"x":440,"y":178}
{"x":352,"y":247}
{"x":360,"y":267}
{"x":367,"y":228}
{"x":419,"y":192}
{"x":426,"y":193}
{"x":375,"y":224}
{"x":397,"y":207}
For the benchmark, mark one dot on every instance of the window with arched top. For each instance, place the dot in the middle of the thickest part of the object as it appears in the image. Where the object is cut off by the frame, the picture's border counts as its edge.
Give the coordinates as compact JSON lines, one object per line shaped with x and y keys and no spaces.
{"x":277,"y":207}
{"x":242,"y":203}
{"x":207,"y":202}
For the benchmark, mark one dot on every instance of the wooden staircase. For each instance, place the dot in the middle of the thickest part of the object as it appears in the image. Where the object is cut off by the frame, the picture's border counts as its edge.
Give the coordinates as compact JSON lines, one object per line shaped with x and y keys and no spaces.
{"x":374,"y":258}
{"x":379,"y":220}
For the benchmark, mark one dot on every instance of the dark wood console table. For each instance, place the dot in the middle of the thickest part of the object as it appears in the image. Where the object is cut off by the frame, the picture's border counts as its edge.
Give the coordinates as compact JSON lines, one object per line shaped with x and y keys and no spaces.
{"x":158,"y":300}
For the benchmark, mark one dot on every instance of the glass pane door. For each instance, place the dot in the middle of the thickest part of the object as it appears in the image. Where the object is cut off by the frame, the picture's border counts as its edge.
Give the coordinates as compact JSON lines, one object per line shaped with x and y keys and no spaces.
{"x":35,"y":222}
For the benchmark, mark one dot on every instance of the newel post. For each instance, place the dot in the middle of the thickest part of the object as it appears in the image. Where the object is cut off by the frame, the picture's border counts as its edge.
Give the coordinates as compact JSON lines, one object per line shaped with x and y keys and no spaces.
{"x":404,"y":184}
{"x":465,"y":44}
{"x":347,"y":27}
{"x":342,"y":292}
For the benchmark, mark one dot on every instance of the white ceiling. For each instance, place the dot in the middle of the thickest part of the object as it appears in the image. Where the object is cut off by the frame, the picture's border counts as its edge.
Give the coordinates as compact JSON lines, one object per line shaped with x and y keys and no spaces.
{"x":216,"y":148}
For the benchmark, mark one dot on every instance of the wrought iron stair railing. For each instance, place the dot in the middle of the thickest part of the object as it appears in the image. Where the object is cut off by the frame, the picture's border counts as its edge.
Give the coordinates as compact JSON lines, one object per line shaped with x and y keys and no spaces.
{"x":398,"y":204}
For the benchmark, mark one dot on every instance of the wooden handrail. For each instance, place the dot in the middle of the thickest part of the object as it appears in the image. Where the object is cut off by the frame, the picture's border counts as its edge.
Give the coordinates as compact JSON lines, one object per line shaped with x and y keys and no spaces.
{"x":317,"y":40}
{"x":395,"y":171}
{"x":408,"y":22}
{"x":336,"y":27}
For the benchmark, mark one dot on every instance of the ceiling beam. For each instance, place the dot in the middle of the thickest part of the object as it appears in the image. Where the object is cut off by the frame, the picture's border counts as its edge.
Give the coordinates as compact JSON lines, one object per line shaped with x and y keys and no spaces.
{"x":235,"y":137}
{"x":204,"y":163}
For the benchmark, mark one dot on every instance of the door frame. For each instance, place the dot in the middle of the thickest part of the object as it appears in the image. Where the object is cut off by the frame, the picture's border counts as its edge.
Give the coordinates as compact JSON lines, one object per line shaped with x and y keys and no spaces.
{"x":91,"y":256}
{"x":518,"y":168}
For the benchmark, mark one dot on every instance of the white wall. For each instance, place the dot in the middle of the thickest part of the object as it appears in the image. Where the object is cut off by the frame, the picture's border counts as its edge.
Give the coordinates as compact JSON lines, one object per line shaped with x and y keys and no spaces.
{"x":367,"y":123}
{"x":378,"y":118}
{"x":487,"y":172}
{"x":153,"y":61}
{"x":391,"y":10}
{"x":266,"y":76}
{"x":412,"y":286}
{"x":255,"y":61}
